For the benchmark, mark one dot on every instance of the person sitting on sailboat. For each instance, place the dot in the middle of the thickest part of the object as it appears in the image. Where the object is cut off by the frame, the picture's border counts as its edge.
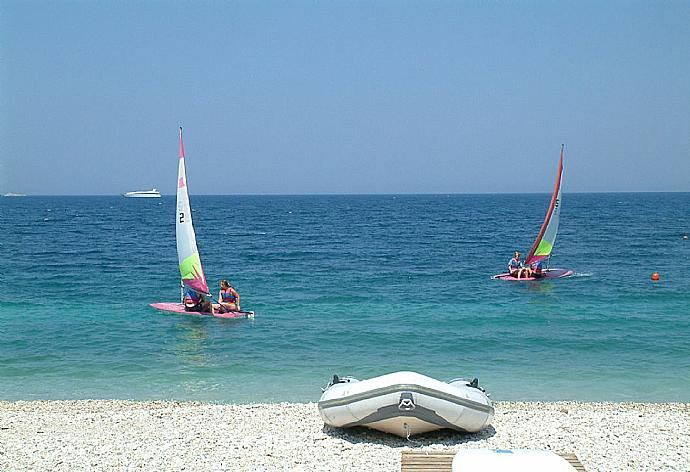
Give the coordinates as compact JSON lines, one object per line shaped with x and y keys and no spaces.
{"x":536,"y":270}
{"x":228,"y":297}
{"x":194,"y":301}
{"x":516,"y":267}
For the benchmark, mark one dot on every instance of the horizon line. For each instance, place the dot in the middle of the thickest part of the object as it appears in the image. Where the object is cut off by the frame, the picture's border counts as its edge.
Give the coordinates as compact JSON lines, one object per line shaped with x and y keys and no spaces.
{"x":317,"y":194}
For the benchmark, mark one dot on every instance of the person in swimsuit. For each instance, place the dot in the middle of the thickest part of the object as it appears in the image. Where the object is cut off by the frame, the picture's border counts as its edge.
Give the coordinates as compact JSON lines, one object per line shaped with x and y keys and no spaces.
{"x":228,"y":297}
{"x":516,"y":268}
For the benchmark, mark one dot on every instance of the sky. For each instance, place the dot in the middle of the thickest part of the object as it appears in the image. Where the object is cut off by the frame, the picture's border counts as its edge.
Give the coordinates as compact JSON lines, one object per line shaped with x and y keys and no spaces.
{"x":312,"y":97}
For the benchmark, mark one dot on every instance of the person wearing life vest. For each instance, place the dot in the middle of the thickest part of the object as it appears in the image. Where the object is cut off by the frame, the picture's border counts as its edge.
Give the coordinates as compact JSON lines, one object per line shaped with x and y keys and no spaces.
{"x":537,"y":270}
{"x":228,"y":297}
{"x":194,"y":301}
{"x":516,"y":268}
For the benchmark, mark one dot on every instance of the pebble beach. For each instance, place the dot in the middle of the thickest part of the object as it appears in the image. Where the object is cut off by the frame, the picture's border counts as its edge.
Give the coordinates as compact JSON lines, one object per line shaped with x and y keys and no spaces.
{"x":112,"y":435}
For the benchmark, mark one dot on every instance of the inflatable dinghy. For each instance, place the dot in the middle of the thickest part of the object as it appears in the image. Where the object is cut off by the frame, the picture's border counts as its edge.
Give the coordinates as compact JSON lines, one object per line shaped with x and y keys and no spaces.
{"x":406,"y":403}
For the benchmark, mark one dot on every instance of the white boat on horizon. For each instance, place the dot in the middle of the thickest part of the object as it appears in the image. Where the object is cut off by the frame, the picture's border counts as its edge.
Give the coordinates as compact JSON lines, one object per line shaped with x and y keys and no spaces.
{"x":153,"y":193}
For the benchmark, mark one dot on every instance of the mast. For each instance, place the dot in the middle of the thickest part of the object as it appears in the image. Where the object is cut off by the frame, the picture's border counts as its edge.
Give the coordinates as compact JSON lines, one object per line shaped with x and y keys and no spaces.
{"x":540,"y":251}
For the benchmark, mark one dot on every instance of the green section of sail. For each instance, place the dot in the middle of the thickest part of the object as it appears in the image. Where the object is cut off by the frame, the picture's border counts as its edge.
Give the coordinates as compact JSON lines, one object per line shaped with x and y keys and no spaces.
{"x":190,"y":268}
{"x":544,"y":248}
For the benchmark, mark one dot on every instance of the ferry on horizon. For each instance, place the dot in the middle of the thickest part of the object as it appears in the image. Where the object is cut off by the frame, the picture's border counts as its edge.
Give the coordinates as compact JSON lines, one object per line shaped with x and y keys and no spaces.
{"x":153,"y":193}
{"x":13,"y":194}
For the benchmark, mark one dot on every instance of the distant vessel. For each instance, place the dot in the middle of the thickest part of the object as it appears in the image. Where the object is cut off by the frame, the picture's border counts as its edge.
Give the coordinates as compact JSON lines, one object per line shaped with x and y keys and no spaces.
{"x":12,"y":194}
{"x":153,"y":193}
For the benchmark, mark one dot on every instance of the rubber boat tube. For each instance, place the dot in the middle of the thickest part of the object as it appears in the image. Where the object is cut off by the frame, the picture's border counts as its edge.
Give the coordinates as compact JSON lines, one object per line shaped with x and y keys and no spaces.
{"x":406,"y":403}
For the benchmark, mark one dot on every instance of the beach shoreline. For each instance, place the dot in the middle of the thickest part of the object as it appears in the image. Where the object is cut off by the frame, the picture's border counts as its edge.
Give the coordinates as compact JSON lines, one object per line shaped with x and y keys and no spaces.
{"x":171,"y":435}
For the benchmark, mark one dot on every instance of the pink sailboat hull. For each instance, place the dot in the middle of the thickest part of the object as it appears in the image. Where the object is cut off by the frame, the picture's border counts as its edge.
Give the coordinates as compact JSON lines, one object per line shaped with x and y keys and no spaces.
{"x":548,"y":274}
{"x":179,"y":308}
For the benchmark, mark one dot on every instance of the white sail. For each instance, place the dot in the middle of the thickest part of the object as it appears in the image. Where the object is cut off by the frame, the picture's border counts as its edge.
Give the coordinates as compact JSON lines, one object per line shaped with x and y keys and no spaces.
{"x":191,"y":271}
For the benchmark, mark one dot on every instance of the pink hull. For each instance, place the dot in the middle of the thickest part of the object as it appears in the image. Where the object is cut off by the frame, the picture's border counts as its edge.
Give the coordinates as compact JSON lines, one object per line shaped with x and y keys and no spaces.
{"x":179,"y":308}
{"x":549,"y":274}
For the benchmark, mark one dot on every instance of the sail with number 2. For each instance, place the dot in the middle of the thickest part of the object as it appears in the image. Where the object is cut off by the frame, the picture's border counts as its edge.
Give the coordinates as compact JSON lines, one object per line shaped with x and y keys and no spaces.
{"x":543,"y":245}
{"x":191,"y":271}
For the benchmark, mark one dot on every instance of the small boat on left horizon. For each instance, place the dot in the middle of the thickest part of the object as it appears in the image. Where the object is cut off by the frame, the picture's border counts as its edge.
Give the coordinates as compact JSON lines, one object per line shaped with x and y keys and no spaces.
{"x":13,"y":194}
{"x":153,"y":193}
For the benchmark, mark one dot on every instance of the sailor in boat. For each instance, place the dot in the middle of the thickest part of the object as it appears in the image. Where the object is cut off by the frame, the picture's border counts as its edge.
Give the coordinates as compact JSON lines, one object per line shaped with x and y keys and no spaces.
{"x":516,"y":267}
{"x":536,"y":270}
{"x":228,"y":297}
{"x":194,"y":301}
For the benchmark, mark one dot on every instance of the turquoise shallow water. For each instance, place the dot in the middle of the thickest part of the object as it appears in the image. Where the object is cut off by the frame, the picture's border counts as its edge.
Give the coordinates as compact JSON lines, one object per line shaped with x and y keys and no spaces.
{"x":354,"y":285}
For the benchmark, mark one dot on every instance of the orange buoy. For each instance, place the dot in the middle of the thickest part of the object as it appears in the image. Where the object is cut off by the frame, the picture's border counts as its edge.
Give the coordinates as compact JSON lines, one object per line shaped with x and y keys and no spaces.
{"x":655,"y":276}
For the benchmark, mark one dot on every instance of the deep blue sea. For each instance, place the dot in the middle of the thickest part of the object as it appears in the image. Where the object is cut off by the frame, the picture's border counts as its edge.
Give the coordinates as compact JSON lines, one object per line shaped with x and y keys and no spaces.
{"x":348,"y":285}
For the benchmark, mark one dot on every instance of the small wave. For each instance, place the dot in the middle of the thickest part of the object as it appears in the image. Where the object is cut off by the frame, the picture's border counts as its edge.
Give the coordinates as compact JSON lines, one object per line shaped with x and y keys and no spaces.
{"x":246,"y":233}
{"x":582,"y":274}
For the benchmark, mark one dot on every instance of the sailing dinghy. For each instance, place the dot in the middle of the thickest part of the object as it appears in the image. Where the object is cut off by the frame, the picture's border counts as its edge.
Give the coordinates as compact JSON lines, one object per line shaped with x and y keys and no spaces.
{"x":543,"y":245}
{"x":191,"y":271}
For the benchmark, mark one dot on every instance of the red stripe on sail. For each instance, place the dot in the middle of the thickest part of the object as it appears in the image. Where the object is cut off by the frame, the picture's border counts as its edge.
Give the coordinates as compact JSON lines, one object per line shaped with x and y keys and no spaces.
{"x":197,"y":285}
{"x":198,"y":282}
{"x":530,"y":256}
{"x":181,"y":145}
{"x":536,"y":259}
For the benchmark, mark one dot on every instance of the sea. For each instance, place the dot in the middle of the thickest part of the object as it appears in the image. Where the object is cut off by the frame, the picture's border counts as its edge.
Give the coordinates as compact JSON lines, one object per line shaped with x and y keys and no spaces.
{"x":358,"y":285}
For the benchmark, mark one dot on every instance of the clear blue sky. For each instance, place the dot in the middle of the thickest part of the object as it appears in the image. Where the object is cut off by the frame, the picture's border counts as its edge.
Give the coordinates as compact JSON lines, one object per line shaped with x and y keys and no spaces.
{"x":344,"y":97}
